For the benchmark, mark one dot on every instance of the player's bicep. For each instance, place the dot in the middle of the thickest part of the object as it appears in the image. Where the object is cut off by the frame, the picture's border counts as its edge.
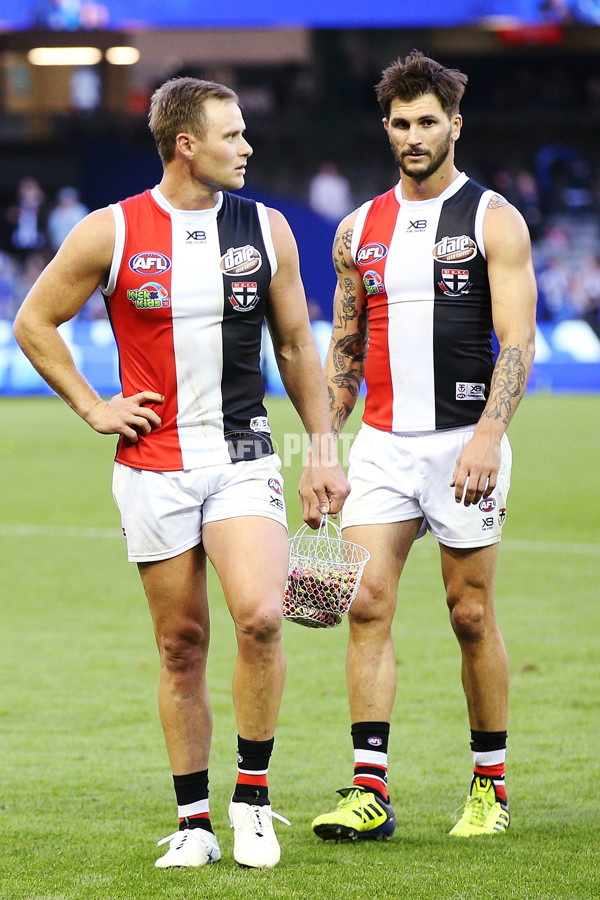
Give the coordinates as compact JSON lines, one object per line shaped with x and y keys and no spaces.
{"x":287,"y":311}
{"x":80,"y":265}
{"x":510,"y":272}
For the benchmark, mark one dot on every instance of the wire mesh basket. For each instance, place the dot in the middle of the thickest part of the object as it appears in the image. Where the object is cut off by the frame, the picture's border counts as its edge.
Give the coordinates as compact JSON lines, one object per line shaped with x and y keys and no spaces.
{"x":323,"y":577}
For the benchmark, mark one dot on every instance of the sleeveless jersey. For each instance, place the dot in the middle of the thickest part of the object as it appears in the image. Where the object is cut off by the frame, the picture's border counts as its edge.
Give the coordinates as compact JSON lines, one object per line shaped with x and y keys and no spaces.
{"x":186,"y":297}
{"x":429,"y":359}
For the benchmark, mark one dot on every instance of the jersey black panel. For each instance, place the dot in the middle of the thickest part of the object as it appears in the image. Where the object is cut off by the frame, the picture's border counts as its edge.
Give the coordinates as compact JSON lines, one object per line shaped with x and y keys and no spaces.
{"x":462,"y":316}
{"x":246,"y":280}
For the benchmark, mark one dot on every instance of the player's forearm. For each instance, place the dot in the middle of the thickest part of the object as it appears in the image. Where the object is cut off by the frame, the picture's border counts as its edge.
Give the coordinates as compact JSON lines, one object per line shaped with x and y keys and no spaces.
{"x":344,"y":372}
{"x":343,"y":389}
{"x":50,"y":356}
{"x":509,"y":381}
{"x":304,"y":382}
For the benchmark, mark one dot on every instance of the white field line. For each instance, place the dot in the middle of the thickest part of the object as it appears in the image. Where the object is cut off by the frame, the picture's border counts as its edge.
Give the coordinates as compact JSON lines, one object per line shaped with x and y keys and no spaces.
{"x":61,"y":531}
{"x":92,"y":533}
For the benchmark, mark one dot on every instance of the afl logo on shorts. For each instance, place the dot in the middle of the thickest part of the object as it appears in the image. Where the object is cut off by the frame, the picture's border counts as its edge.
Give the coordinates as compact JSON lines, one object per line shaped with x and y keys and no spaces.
{"x":487,"y":504}
{"x":370,"y":253}
{"x":275,"y":486}
{"x":241,"y":260}
{"x":455,"y":249}
{"x":149,"y":263}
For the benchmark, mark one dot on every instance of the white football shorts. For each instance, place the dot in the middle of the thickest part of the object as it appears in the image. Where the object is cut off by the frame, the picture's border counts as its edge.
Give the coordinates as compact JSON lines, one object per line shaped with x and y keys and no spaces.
{"x":395,"y":478}
{"x":162,"y":513}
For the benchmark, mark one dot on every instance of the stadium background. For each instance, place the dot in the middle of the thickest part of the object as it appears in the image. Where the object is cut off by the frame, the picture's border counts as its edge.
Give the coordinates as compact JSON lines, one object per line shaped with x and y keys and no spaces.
{"x":85,"y":784}
{"x":532,"y":117}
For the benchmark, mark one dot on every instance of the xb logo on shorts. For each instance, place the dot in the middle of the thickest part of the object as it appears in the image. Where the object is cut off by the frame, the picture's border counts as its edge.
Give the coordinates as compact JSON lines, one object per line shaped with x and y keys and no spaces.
{"x":243,"y":295}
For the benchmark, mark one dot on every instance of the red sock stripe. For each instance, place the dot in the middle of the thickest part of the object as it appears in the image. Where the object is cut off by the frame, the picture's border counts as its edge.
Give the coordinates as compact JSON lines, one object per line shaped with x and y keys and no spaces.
{"x":372,"y":784}
{"x":252,"y":779}
{"x":491,"y":771}
{"x":199,"y":816}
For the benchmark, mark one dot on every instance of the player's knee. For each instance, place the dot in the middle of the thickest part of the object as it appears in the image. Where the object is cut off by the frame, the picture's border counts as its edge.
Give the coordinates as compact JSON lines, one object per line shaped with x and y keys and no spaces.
{"x":260,"y":625}
{"x":184,"y":648}
{"x":468,"y":619}
{"x":374,"y":603}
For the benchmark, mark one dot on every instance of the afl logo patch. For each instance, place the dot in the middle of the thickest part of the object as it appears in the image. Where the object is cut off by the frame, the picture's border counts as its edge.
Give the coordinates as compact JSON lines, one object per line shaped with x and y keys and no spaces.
{"x":275,"y":486}
{"x":455,"y":249}
{"x":487,"y":504}
{"x":241,"y":260}
{"x":370,"y":253}
{"x":149,"y":263}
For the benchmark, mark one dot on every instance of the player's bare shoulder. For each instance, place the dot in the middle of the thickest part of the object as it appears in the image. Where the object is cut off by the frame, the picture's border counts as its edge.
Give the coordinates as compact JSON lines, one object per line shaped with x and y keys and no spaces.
{"x":504,"y":227}
{"x":93,"y":236}
{"x":283,"y":238}
{"x":497,"y":202}
{"x":342,"y":257}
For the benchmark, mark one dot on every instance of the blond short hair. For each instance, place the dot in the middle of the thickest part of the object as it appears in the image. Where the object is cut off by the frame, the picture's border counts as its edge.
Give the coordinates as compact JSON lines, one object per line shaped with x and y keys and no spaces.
{"x":179,"y":106}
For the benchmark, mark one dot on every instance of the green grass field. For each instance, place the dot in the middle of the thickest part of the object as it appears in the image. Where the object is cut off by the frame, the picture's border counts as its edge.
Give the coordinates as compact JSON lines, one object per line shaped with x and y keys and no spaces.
{"x":85,"y":787}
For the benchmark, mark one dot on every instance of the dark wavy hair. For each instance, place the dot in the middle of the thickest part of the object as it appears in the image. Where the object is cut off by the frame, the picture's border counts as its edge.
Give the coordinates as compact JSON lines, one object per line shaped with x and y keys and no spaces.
{"x":409,"y":78}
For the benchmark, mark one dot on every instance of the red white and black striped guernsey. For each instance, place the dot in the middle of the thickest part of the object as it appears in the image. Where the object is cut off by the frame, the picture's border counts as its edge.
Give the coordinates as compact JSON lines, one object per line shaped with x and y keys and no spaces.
{"x":429,"y":359}
{"x":186,"y":297}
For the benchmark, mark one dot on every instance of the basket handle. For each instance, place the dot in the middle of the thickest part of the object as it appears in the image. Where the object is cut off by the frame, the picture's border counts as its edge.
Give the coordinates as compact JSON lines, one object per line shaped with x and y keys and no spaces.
{"x":322,"y":531}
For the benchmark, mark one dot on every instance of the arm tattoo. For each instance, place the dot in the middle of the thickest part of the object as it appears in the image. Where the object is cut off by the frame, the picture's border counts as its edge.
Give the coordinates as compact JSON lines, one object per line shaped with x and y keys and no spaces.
{"x":341,"y":245}
{"x":350,"y":348}
{"x":497,"y":201}
{"x":340,"y":417}
{"x":348,"y":381}
{"x":347,"y":309}
{"x":508,"y":384}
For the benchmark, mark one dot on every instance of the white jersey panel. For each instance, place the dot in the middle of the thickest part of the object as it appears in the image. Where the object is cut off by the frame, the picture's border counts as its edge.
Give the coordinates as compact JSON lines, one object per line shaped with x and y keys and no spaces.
{"x":200,"y":415}
{"x":409,"y":284}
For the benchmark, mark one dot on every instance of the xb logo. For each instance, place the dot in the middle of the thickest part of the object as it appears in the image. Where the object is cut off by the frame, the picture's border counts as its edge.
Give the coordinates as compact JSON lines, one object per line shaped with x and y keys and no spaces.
{"x":195,"y":237}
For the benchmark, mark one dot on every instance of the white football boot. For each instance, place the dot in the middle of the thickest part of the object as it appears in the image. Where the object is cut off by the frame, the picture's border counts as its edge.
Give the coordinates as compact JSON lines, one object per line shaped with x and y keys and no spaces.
{"x":190,"y":847}
{"x":254,"y":842}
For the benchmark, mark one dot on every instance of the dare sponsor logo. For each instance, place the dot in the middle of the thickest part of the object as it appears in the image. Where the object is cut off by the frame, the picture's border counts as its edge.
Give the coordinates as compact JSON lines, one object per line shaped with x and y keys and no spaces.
{"x":370,"y":253}
{"x":241,"y":260}
{"x":150,"y":263}
{"x":458,"y":248}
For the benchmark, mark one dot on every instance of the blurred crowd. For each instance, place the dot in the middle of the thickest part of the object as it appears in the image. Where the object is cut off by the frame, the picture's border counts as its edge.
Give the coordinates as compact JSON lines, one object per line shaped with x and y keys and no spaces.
{"x":32,"y":228}
{"x":560,"y":202}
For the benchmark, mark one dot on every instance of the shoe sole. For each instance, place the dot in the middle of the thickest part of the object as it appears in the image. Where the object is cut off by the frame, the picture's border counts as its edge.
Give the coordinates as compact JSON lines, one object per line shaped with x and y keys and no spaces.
{"x":341,"y":833}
